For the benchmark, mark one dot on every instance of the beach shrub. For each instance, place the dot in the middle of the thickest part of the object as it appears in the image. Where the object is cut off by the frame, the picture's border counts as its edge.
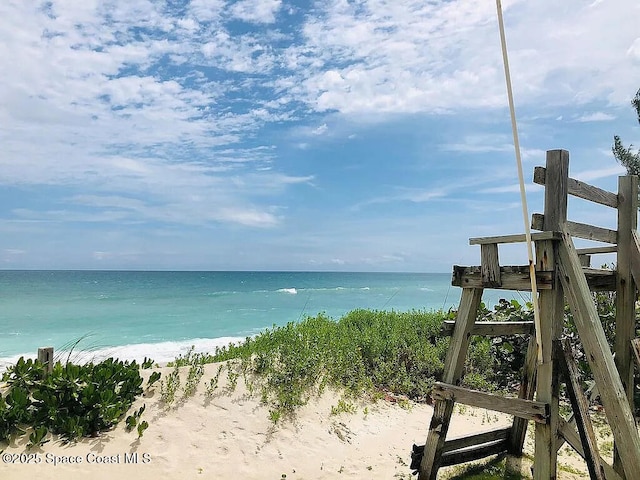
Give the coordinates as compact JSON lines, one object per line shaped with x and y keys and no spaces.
{"x":72,"y":401}
{"x":169,"y":387}
{"x":363,"y":352}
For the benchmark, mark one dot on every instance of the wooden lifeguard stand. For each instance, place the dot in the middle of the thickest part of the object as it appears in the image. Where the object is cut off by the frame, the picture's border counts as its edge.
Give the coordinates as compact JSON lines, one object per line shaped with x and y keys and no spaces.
{"x":561,"y":271}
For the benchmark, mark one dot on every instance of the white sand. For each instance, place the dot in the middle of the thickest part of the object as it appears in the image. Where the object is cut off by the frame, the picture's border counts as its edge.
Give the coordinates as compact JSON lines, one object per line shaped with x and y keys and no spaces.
{"x":231,"y":437}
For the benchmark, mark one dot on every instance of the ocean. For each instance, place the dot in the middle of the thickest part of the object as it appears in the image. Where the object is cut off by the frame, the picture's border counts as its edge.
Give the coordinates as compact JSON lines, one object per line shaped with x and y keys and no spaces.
{"x":90,"y":315}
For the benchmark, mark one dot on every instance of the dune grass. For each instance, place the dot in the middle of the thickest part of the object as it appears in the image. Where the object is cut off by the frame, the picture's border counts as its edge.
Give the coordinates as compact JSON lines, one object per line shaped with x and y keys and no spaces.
{"x":363,"y":353}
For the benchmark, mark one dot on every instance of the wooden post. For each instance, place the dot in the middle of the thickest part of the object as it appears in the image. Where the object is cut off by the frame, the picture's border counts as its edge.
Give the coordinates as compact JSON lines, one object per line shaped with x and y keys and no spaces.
{"x":625,"y":290}
{"x":635,"y":345}
{"x":453,"y":365}
{"x":490,"y":265}
{"x":45,"y":356}
{"x":551,"y":313}
{"x":527,"y":390}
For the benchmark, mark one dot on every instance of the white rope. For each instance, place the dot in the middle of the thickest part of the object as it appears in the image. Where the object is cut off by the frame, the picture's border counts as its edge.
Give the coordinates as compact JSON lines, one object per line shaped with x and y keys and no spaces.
{"x":523,"y":196}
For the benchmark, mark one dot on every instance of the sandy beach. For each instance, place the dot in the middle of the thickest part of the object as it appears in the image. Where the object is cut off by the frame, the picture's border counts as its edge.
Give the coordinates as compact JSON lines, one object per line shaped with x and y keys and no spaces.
{"x":230,"y":436}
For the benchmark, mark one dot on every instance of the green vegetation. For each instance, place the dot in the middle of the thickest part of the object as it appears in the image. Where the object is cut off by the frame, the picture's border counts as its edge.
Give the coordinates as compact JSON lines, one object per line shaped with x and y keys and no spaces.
{"x":73,"y":401}
{"x":492,"y":470}
{"x":362,"y":354}
{"x":625,"y":155}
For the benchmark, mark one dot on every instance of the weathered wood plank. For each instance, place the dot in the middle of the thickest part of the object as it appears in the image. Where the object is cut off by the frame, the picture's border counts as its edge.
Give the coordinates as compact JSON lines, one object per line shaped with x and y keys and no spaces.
{"x":493,"y":329}
{"x":591,"y":393}
{"x":600,"y":280}
{"x":625,"y":289}
{"x":635,"y":345}
{"x":453,"y":365}
{"x":477,"y":439}
{"x":490,"y":265}
{"x":527,"y":390}
{"x":517,"y":278}
{"x":580,"y":230}
{"x":600,"y":359}
{"x":580,"y":408}
{"x":518,"y":238}
{"x":511,"y":278}
{"x":468,"y":455}
{"x":45,"y":357}
{"x":551,"y":314}
{"x":568,"y":433}
{"x":590,"y":232}
{"x":580,"y":189}
{"x":596,"y":250}
{"x":528,"y":409}
{"x":634,"y":253}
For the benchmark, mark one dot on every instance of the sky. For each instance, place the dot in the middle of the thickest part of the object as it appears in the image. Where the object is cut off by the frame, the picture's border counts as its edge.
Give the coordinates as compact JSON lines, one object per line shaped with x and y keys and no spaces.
{"x":341,"y":135}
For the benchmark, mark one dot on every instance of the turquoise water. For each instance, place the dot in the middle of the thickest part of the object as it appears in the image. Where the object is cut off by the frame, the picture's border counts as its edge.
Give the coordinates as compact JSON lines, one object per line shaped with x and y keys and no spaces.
{"x":160,"y":314}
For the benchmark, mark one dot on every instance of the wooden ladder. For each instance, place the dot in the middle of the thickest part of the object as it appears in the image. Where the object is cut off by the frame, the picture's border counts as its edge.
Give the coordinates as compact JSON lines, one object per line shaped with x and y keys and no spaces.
{"x":561,"y":271}
{"x":438,"y":451}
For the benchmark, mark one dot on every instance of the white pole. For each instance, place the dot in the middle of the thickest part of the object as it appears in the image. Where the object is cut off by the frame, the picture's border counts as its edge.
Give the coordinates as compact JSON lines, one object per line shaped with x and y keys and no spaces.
{"x":523,"y":196}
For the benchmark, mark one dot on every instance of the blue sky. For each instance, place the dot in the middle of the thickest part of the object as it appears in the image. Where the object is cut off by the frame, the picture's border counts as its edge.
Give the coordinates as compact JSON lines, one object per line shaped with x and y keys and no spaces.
{"x":297,"y":135}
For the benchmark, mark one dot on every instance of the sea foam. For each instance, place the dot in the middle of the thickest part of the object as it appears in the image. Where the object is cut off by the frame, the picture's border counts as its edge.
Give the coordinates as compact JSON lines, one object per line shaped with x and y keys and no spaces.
{"x":160,"y":353}
{"x":292,"y":291}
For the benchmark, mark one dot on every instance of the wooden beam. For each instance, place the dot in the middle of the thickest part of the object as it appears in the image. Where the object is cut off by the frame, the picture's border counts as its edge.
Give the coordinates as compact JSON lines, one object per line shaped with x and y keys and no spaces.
{"x":635,"y":345}
{"x":453,"y":365}
{"x":591,"y":393}
{"x":600,"y":279}
{"x":568,"y":433}
{"x":493,"y":329}
{"x":596,"y":250}
{"x":475,"y":453}
{"x":517,"y":278}
{"x":519,"y":238}
{"x":580,"y":230}
{"x":585,"y":260}
{"x":528,"y":409}
{"x":490,"y":265}
{"x":527,"y":390}
{"x":551,"y":314}
{"x":511,"y":278}
{"x":477,"y":439}
{"x":634,"y":254}
{"x":600,"y":358}
{"x":590,"y":232}
{"x":580,"y":189}
{"x":580,"y":408}
{"x":625,"y":289}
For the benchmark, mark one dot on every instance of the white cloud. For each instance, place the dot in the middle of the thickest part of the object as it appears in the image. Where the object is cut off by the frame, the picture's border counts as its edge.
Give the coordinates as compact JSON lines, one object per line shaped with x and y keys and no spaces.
{"x":479,"y":144}
{"x":598,"y":173}
{"x":138,"y":104}
{"x":595,"y":117}
{"x":634,"y":50}
{"x":321,"y":130}
{"x":256,"y":11}
{"x":382,"y":56}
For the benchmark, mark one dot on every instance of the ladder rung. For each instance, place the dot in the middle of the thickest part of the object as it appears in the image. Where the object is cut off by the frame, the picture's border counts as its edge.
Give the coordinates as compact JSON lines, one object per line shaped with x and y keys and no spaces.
{"x":477,"y":439}
{"x":519,"y":407}
{"x":493,"y":329}
{"x":473,"y":453}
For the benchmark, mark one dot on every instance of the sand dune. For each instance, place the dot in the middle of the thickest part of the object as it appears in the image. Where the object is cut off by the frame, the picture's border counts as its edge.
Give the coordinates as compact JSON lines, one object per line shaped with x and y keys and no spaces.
{"x":230,"y":436}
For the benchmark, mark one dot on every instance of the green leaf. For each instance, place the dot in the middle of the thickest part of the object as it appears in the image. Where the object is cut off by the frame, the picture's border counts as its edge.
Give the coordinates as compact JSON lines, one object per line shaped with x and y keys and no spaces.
{"x":142,"y":427}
